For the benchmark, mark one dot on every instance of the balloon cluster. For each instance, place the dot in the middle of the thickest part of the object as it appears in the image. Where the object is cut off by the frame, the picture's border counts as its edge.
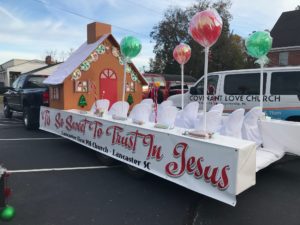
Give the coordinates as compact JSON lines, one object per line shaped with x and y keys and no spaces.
{"x":258,"y":45}
{"x":182,"y":53}
{"x":130,"y":47}
{"x":206,"y":27}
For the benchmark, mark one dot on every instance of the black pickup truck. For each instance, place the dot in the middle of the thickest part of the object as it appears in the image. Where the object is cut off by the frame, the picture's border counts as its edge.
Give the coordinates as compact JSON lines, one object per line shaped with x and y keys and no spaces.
{"x":27,"y":94}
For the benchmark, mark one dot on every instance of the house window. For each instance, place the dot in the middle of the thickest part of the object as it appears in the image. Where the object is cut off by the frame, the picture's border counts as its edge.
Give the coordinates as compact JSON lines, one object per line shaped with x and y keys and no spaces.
{"x":81,"y":86}
{"x":55,"y":93}
{"x":130,"y":87}
{"x":283,"y":58}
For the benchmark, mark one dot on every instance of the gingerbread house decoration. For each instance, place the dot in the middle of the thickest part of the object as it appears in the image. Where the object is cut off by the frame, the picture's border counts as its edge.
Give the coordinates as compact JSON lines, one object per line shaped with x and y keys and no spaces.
{"x":94,"y":71}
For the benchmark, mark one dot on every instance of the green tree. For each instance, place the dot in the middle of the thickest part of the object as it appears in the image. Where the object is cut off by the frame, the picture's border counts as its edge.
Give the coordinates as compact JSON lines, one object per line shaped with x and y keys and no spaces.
{"x":130,"y":99}
{"x":82,"y":101}
{"x":227,"y":53}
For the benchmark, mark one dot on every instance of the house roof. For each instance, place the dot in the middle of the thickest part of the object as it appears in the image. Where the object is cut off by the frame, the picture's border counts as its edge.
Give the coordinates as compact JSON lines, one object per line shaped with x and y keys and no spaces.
{"x":176,"y":77}
{"x":286,"y":31}
{"x":66,"y":68}
{"x":45,"y":70}
{"x":172,"y":77}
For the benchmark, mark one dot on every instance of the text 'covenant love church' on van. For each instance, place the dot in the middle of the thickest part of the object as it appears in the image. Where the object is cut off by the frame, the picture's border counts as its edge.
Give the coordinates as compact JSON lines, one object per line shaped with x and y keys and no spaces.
{"x":240,"y":89}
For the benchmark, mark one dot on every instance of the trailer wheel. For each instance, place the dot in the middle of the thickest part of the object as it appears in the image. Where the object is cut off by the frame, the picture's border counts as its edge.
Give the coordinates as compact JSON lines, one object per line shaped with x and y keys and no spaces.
{"x":106,"y":160}
{"x":135,"y":172}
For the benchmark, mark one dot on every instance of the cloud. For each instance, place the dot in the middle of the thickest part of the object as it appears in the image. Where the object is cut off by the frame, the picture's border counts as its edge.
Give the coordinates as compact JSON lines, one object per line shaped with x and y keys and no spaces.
{"x":9,"y":15}
{"x":33,"y":37}
{"x":29,"y":28}
{"x":257,"y":15}
{"x":7,"y":55}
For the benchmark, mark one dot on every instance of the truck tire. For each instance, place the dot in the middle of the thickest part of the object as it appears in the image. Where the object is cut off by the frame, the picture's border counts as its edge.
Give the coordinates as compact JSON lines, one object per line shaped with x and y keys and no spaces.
{"x":135,"y":172}
{"x":7,"y":112}
{"x":29,"y":123}
{"x":294,"y":118}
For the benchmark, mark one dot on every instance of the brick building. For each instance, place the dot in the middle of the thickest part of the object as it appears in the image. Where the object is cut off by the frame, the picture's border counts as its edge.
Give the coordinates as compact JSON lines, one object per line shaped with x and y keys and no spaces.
{"x":286,"y":40}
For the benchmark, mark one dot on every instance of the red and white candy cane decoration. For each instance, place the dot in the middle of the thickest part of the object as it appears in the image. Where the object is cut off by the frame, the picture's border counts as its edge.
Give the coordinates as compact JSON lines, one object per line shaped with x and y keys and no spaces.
{"x":94,"y":90}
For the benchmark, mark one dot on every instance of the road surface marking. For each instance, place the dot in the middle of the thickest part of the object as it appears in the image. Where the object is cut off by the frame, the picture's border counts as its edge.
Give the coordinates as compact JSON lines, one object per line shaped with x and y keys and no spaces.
{"x":29,"y":139}
{"x":61,"y":169}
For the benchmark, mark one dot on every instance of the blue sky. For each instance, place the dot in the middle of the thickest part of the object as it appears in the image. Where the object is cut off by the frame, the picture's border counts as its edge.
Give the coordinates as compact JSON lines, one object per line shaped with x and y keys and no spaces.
{"x":29,"y":28}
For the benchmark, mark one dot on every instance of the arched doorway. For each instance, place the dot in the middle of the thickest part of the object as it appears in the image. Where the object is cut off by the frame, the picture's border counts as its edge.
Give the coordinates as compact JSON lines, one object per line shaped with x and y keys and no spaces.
{"x":108,"y":85}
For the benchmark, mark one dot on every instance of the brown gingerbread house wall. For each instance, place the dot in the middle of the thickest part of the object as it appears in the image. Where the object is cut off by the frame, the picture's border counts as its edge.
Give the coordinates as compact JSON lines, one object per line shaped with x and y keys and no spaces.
{"x":69,"y":98}
{"x":58,"y":101}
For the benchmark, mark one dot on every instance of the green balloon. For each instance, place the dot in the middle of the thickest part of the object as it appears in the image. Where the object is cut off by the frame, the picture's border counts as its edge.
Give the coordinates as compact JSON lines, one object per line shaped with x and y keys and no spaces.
{"x":259,"y":44}
{"x":130,"y":47}
{"x":7,"y":213}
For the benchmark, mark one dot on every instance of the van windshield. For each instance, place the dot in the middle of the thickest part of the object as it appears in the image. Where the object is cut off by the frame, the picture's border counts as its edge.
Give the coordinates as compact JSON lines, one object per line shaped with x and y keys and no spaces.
{"x":212,"y":84}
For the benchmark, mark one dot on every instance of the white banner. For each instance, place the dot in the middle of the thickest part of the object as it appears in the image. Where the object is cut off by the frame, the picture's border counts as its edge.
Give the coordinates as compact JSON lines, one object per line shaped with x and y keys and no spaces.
{"x":220,"y":167}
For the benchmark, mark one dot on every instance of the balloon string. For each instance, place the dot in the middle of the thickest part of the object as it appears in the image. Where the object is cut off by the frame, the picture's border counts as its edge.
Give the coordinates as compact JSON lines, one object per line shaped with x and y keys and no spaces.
{"x":205,"y":87}
{"x":124,"y":86}
{"x":94,"y":90}
{"x":155,"y":103}
{"x":261,"y":85}
{"x":182,"y":81}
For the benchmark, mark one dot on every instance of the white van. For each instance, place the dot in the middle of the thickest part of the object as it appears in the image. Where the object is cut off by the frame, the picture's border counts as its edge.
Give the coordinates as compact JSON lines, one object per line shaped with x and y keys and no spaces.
{"x":240,"y":89}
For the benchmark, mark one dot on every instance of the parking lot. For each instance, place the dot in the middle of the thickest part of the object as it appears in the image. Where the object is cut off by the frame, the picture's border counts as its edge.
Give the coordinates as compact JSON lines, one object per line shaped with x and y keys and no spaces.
{"x":55,"y":181}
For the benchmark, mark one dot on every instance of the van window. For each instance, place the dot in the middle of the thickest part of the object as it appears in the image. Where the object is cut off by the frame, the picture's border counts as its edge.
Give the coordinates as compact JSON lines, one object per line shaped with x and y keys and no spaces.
{"x":243,"y":84}
{"x":285,"y":83}
{"x":212,"y":84}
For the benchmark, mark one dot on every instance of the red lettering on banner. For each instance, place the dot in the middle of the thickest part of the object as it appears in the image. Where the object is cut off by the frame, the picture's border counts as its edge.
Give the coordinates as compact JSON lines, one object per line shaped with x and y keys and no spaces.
{"x":59,"y":122}
{"x":196,"y":168}
{"x":129,"y":141}
{"x":95,"y":126}
{"x":46,"y":117}
{"x":79,"y":126}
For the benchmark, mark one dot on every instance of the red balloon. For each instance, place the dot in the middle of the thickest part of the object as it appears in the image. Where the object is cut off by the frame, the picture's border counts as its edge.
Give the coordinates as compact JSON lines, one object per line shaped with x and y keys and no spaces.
{"x":182,"y":53}
{"x":205,"y":27}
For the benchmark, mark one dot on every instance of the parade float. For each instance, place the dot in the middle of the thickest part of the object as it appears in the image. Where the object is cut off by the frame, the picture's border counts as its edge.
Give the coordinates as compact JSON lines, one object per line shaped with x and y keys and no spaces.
{"x":211,"y":163}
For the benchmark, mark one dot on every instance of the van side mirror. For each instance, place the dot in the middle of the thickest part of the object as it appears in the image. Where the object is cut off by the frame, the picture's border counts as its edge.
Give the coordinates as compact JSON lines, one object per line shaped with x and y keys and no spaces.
{"x":193,"y":91}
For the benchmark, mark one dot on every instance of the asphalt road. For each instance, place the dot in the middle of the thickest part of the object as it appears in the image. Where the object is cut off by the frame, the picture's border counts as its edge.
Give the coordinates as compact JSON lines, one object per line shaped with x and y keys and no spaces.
{"x":87,"y":193}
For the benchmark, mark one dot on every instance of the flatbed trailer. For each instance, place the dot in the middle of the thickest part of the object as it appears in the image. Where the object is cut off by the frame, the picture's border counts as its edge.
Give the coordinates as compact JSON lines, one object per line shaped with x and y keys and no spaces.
{"x":221,"y":167}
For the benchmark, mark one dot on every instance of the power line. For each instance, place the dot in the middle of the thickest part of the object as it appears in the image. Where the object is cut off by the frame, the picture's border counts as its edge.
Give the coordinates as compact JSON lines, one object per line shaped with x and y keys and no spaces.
{"x":145,"y":7}
{"x":88,"y":18}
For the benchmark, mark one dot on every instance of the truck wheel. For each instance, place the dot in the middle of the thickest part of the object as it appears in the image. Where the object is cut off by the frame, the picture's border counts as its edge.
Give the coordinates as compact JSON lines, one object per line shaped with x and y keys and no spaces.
{"x":28,"y":120}
{"x":7,"y":112}
{"x":106,"y":160}
{"x":294,"y":118}
{"x":135,"y":172}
